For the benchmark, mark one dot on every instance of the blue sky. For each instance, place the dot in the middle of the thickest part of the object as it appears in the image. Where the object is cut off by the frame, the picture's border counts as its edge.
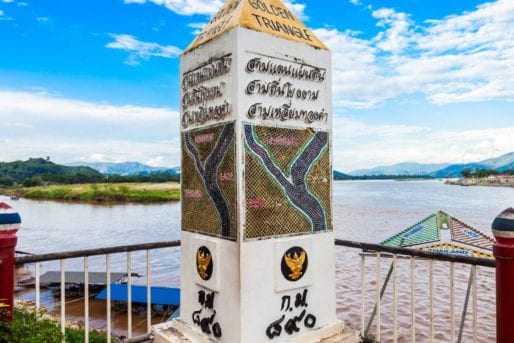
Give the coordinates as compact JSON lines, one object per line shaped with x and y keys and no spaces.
{"x":414,"y":80}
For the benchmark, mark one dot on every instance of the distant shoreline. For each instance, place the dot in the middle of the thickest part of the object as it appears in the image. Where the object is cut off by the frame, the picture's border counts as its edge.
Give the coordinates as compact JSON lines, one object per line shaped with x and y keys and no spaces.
{"x":484,"y":182}
{"x":109,"y":193}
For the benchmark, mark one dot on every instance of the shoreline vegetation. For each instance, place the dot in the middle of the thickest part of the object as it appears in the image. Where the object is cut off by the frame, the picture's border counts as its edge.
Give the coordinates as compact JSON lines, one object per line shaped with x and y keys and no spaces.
{"x":107,"y":193}
{"x":32,"y":326}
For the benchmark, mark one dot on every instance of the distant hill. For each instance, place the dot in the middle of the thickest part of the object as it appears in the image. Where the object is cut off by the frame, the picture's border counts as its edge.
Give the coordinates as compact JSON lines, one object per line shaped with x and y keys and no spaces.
{"x":20,"y":171}
{"x":38,"y":171}
{"x":455,"y":170}
{"x":405,"y":169}
{"x":127,"y":168}
{"x":499,"y":162}
{"x":444,"y":170}
{"x":170,"y":171}
{"x":341,"y":176}
{"x":506,"y":167}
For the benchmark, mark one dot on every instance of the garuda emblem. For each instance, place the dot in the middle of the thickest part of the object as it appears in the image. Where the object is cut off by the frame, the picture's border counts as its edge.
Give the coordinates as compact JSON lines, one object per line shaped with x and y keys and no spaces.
{"x":204,"y":263}
{"x":294,"y":264}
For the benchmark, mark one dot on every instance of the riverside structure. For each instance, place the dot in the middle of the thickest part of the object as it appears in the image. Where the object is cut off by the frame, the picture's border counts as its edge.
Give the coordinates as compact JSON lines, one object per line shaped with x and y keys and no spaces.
{"x":258,"y":259}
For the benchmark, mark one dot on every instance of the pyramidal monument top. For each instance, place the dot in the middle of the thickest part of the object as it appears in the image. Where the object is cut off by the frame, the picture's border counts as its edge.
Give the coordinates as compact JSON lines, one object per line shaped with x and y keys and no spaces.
{"x":268,"y":16}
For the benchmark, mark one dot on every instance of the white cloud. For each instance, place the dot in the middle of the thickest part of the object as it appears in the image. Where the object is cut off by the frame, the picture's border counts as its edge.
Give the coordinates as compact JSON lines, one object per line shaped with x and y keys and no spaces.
{"x":64,"y":150}
{"x":139,"y":50}
{"x":4,"y":17}
{"x":18,"y":3}
{"x":69,"y":130}
{"x":460,"y":58}
{"x":72,"y":130}
{"x":397,"y":35}
{"x":297,"y":8}
{"x":197,"y":27}
{"x":41,"y":105}
{"x":42,"y":19}
{"x":208,"y":7}
{"x":355,"y":2}
{"x":185,"y":7}
{"x":372,"y":145}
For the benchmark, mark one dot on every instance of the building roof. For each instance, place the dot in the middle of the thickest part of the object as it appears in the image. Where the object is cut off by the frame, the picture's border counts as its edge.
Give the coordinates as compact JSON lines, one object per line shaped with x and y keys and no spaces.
{"x":463,"y":233}
{"x":443,"y":233}
{"x":159,"y":295}
{"x":268,"y":16}
{"x":78,"y":277}
{"x":425,"y":231}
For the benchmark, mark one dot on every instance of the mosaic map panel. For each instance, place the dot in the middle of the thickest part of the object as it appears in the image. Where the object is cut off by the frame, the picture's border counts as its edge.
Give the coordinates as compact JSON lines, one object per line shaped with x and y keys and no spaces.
{"x":209,"y":193}
{"x":287,"y":181}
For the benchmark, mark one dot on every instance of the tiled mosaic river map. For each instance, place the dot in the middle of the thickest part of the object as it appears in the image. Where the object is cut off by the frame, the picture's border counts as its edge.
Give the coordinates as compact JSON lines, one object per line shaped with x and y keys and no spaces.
{"x":209,"y":204}
{"x":287,"y":181}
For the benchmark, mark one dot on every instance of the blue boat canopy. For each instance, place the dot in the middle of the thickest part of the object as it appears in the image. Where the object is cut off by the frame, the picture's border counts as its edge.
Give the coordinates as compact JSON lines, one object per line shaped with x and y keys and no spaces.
{"x":160,"y":295}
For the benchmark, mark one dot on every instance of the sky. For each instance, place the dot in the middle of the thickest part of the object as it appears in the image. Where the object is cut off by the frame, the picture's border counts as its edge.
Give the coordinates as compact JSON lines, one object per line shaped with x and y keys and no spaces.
{"x":413,"y":80}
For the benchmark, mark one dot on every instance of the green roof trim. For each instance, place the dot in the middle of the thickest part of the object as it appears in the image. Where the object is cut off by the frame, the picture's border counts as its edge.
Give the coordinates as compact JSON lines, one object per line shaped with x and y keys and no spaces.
{"x":425,"y":231}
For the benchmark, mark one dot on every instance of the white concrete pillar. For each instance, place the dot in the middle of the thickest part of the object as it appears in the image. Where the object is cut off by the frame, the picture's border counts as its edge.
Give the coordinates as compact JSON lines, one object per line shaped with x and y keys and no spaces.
{"x":257,"y":241}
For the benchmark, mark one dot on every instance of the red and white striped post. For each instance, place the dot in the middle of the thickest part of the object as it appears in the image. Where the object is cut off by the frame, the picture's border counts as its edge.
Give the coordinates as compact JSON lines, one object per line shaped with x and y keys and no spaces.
{"x":9,"y":224}
{"x":503,"y":230}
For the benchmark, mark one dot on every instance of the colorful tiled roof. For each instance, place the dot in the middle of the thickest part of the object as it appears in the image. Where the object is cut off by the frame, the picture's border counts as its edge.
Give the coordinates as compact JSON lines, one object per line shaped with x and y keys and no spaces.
{"x":464,"y":233}
{"x":425,"y":231}
{"x":442,"y":233}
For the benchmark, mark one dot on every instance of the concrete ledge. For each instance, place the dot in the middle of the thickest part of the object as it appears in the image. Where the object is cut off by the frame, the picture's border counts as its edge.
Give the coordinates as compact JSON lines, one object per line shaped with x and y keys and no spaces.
{"x":177,"y":331}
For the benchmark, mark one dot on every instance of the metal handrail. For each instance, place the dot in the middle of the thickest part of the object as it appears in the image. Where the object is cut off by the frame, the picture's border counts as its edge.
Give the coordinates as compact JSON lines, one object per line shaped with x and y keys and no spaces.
{"x":339,"y":242}
{"x":95,"y":252}
{"x":475,"y":261}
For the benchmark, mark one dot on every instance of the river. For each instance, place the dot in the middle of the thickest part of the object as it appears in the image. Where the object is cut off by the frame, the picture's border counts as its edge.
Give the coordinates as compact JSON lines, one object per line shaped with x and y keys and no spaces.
{"x":367,"y":211}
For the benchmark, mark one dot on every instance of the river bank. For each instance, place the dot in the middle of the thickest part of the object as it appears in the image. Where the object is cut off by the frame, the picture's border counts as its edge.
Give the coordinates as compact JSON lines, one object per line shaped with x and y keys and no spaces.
{"x":486,"y":182}
{"x":101,"y":193}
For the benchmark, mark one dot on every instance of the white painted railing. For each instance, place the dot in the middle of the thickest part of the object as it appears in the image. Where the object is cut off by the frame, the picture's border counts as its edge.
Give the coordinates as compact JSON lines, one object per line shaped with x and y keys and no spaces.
{"x":375,"y":255}
{"x":37,"y":260}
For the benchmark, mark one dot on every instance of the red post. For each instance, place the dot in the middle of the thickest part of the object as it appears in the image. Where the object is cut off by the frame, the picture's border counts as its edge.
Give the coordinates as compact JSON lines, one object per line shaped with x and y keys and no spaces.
{"x":503,"y":230}
{"x":9,"y":224}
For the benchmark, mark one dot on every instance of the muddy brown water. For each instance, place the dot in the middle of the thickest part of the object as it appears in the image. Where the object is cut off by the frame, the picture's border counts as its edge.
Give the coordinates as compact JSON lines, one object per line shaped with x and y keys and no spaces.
{"x":367,"y":211}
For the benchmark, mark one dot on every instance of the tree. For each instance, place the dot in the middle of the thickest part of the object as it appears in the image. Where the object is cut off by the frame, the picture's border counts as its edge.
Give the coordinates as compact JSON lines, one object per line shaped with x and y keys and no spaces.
{"x":485,"y":172}
{"x":33,"y":182}
{"x":6,"y":181}
{"x":467,"y":173}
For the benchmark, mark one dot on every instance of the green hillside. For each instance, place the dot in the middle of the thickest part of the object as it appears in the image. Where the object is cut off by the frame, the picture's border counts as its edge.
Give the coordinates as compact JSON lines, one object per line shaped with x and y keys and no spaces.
{"x":40,"y":172}
{"x":37,"y":169}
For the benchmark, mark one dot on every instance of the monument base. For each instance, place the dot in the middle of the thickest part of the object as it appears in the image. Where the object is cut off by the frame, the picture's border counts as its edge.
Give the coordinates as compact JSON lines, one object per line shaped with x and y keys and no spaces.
{"x":177,"y":331}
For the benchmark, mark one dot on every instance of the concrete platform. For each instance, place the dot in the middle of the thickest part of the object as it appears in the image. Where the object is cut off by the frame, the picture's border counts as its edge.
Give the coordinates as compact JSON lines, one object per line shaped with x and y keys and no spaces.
{"x":167,"y":333}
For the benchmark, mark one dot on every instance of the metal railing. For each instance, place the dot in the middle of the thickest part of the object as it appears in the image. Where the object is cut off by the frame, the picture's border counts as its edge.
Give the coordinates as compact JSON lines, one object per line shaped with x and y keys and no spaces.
{"x":86,"y":254}
{"x":378,"y":252}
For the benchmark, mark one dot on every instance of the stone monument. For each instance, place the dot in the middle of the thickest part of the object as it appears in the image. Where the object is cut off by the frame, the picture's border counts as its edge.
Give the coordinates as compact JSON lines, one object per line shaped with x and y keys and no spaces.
{"x":258,"y":260}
